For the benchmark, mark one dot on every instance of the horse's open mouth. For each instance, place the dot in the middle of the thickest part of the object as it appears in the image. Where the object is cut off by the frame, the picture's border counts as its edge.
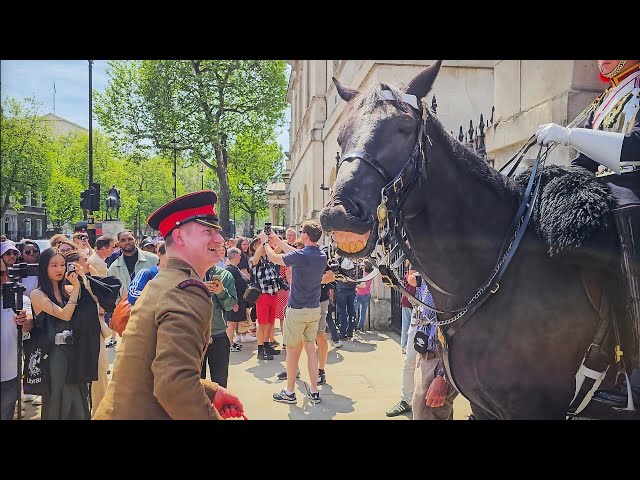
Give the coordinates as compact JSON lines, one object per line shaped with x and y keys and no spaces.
{"x":353,"y":244}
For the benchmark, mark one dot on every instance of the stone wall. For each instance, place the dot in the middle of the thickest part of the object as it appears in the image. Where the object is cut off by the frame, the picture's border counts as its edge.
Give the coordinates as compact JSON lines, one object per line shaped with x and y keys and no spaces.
{"x":529,"y":93}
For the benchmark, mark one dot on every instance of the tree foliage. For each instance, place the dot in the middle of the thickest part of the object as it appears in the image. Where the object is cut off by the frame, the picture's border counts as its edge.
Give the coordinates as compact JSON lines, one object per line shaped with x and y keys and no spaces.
{"x":63,"y":199}
{"x":205,"y":105}
{"x":25,"y":154}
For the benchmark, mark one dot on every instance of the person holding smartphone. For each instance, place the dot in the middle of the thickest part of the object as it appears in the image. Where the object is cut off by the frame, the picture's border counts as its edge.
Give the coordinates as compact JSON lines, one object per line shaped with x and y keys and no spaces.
{"x":54,"y":306}
{"x":222,"y":288}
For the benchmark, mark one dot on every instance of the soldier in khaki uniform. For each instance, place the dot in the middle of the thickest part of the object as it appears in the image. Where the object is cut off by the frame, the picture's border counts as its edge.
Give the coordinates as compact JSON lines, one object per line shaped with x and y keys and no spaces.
{"x":157,"y":370}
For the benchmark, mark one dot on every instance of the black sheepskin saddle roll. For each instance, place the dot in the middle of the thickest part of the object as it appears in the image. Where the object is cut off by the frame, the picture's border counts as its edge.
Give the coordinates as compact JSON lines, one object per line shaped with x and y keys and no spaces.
{"x":573,"y":211}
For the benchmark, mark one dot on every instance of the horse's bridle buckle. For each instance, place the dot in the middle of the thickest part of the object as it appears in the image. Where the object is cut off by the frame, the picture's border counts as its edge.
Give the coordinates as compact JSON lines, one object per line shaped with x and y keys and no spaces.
{"x":397,"y":182}
{"x":386,"y":279}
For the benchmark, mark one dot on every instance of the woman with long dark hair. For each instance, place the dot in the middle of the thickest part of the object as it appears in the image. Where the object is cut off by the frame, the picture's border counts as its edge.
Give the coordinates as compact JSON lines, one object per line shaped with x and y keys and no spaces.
{"x":54,"y":308}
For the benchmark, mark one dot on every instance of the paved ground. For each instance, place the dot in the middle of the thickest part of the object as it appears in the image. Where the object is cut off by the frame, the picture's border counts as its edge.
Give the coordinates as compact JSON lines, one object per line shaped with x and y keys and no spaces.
{"x":363,"y":381}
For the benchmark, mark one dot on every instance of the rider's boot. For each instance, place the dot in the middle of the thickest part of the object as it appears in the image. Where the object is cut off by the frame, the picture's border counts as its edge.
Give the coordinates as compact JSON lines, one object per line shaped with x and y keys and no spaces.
{"x":627,"y":220}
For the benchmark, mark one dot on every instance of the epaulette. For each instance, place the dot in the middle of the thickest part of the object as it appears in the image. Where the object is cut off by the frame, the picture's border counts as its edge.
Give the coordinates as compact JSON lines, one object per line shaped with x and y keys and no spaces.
{"x":193,"y":282}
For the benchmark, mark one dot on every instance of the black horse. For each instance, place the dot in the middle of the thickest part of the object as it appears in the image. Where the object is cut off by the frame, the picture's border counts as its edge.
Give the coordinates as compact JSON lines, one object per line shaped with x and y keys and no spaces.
{"x":516,"y":357}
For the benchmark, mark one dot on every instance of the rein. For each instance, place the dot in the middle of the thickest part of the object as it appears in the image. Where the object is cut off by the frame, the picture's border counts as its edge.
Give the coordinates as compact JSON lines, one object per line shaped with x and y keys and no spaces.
{"x":391,"y":235}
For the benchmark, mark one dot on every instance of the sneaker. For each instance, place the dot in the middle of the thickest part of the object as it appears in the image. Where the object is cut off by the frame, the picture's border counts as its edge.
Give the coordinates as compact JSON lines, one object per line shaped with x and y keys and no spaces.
{"x":237,"y":338}
{"x":270,"y":350}
{"x":37,"y":401}
{"x":283,"y":375}
{"x":111,"y":343}
{"x":314,"y":397}
{"x":284,"y":397}
{"x":263,"y":355}
{"x":400,"y":408}
{"x":322,"y":377}
{"x":247,"y":338}
{"x":27,"y":397}
{"x":274,"y":343}
{"x":235,"y":348}
{"x":338,"y":344}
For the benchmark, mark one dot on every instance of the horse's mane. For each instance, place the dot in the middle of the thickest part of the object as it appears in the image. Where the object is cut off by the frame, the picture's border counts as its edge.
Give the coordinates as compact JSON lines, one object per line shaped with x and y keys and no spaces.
{"x":474,"y":164}
{"x":365,"y":103}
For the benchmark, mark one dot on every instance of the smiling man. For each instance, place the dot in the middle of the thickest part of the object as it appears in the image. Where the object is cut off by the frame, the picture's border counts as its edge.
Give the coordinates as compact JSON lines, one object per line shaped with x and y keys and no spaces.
{"x":157,"y":370}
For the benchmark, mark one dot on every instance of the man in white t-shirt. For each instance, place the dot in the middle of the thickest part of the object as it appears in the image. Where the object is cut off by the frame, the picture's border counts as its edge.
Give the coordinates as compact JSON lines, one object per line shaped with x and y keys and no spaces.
{"x":103,"y":249}
{"x":9,"y":386}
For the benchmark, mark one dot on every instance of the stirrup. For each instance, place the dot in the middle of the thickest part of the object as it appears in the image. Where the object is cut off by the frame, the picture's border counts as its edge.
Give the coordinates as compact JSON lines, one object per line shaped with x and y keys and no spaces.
{"x":630,"y":406}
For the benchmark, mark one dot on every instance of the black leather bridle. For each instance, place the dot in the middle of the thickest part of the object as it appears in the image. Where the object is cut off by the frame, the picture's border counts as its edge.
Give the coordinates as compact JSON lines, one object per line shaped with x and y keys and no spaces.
{"x":390,"y":221}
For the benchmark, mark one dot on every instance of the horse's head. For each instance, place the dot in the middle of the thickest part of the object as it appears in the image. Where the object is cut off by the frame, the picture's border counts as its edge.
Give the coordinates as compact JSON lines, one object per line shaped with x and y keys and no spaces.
{"x":377,"y":139}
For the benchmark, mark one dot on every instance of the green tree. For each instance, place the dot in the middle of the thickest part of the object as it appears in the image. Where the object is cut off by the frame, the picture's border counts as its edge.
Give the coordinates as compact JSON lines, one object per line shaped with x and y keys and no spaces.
{"x":147,"y":186}
{"x":25,"y":154}
{"x":63,"y":200}
{"x":255,"y":164}
{"x":203,"y":104}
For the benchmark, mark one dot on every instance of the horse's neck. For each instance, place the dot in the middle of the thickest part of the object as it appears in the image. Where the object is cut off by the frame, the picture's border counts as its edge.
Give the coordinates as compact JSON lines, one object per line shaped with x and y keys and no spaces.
{"x":461,"y":227}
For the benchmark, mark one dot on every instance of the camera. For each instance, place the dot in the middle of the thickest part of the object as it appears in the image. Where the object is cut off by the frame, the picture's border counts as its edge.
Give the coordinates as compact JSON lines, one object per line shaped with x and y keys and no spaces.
{"x":71,"y":267}
{"x":22,"y":270}
{"x":64,"y":338}
{"x":334,"y":265}
{"x":267,"y":228}
{"x":12,"y":295}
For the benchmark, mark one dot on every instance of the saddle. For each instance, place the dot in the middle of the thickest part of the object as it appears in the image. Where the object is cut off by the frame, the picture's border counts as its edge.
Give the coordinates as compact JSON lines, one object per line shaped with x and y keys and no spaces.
{"x":574,"y":219}
{"x":573,"y":215}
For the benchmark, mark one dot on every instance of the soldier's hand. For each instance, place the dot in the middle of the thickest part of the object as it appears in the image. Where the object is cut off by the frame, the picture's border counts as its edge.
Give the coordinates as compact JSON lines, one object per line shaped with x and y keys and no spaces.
{"x":227,"y":402}
{"x":552,"y":132}
{"x":437,"y":393}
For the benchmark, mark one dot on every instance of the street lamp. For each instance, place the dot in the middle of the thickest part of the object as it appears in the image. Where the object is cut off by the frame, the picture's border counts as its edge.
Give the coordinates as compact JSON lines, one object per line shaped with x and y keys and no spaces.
{"x":202,"y":176}
{"x":174,"y":142}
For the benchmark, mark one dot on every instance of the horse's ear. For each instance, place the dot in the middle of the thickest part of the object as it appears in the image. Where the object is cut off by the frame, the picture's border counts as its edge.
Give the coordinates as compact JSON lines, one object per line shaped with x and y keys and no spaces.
{"x":423,"y":82}
{"x":345,"y":93}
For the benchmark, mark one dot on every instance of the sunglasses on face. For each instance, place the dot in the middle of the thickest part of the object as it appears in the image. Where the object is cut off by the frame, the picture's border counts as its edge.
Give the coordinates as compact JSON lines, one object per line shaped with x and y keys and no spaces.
{"x":83,"y":238}
{"x":11,"y":252}
{"x":31,"y":252}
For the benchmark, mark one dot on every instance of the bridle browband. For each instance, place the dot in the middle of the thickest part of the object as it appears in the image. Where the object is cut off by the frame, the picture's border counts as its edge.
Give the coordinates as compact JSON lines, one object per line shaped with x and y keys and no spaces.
{"x":391,"y":235}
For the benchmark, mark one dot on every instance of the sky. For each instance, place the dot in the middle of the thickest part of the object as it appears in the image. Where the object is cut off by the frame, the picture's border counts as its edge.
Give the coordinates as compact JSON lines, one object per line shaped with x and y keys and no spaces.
{"x":36,"y":78}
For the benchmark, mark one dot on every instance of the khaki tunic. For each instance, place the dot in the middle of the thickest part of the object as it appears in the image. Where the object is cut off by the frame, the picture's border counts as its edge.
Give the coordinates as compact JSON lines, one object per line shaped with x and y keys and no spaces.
{"x":156,"y":374}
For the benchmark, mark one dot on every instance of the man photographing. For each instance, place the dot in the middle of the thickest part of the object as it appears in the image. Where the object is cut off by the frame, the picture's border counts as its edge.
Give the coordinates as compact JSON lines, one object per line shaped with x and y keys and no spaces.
{"x":303,"y":308}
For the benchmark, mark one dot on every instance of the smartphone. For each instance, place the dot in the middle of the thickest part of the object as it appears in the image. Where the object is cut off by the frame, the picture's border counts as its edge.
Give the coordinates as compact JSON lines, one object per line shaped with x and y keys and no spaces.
{"x":267,"y":228}
{"x":71,"y":267}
